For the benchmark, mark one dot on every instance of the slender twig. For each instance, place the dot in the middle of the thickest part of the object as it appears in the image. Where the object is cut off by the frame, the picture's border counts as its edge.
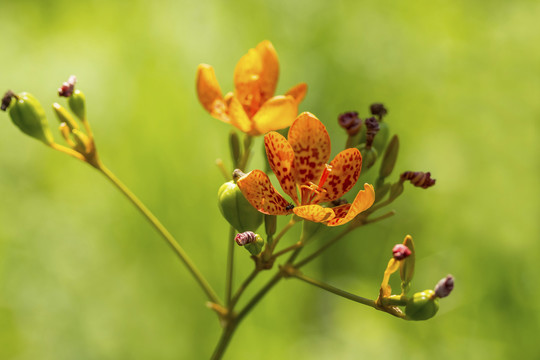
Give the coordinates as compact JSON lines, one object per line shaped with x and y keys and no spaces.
{"x":287,"y":249}
{"x":322,"y":248}
{"x":283,"y":231}
{"x":210,"y":293}
{"x":230,"y":266}
{"x":248,"y":140}
{"x":243,"y":287}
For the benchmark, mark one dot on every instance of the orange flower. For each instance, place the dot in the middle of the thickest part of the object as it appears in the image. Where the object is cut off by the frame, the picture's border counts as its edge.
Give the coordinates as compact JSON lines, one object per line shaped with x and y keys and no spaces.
{"x":252,"y":107}
{"x":297,"y":163}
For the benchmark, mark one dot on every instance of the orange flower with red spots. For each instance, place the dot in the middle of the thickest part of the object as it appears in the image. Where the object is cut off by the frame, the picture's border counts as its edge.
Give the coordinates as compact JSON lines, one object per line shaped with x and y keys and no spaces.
{"x":300,"y":165}
{"x":252,"y":107}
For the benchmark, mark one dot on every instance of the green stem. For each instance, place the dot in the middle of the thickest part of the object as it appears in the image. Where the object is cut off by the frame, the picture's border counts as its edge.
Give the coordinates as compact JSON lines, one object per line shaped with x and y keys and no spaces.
{"x":243,"y":287}
{"x":248,"y":140}
{"x":224,"y":340}
{"x":288,"y":249}
{"x":230,"y":266}
{"x":283,"y":231}
{"x":335,"y":290}
{"x":323,"y":248}
{"x":210,"y":293}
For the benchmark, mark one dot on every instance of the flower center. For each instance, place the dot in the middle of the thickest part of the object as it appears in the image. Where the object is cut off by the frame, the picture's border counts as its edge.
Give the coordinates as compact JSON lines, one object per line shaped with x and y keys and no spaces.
{"x":312,"y":193}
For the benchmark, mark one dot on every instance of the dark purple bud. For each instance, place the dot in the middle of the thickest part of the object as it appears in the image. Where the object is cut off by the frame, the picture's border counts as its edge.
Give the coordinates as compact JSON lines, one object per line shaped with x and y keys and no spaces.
{"x":372,"y":128}
{"x":401,"y":252}
{"x":67,"y":87}
{"x":444,"y":287}
{"x":378,"y":109}
{"x":6,"y":100}
{"x":418,"y":179}
{"x":350,"y":122}
{"x":245,"y":238}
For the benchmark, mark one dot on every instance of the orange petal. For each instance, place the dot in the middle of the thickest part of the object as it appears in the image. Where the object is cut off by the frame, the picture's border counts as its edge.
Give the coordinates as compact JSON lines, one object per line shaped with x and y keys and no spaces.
{"x":311,"y":145}
{"x":315,"y":213}
{"x":260,"y":193}
{"x":281,"y":157}
{"x":209,"y":92}
{"x":277,"y":113}
{"x":363,"y":201}
{"x":270,"y":70}
{"x":238,"y":116}
{"x":298,"y":92}
{"x":247,"y":78}
{"x":345,"y":171}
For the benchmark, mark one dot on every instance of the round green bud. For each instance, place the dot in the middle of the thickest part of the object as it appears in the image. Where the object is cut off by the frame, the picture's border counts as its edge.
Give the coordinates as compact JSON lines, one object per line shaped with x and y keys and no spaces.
{"x":77,"y":104}
{"x":422,"y":306}
{"x":236,"y":209}
{"x":28,"y":115}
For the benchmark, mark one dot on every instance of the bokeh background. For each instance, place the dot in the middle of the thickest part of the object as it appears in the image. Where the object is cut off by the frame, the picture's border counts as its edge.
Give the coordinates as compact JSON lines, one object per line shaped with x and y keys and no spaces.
{"x":83,"y":276}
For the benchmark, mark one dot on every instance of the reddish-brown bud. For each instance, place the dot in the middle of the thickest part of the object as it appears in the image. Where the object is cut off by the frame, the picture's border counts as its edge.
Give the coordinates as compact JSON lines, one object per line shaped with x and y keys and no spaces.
{"x":418,"y":179}
{"x":444,"y":287}
{"x":245,"y":238}
{"x":401,"y":252}
{"x":350,"y":122}
{"x":67,"y":87}
{"x":372,"y":128}
{"x":6,"y":100}
{"x":378,"y":109}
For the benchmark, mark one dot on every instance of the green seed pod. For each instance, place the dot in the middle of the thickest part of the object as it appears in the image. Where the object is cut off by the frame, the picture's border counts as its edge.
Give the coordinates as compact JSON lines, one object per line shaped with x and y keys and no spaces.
{"x":382,"y":136}
{"x":422,"y":306}
{"x":390,"y":157}
{"x":28,"y":114}
{"x":64,"y":117}
{"x":256,"y":246}
{"x":77,"y":104}
{"x":369,"y":156}
{"x":236,"y":209}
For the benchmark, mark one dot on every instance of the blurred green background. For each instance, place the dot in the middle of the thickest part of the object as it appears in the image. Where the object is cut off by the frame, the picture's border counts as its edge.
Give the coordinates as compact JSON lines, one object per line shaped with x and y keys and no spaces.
{"x":83,"y":276}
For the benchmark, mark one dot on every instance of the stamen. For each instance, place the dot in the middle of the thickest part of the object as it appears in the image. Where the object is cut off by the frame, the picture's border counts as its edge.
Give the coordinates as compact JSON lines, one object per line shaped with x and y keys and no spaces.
{"x":325,"y":174}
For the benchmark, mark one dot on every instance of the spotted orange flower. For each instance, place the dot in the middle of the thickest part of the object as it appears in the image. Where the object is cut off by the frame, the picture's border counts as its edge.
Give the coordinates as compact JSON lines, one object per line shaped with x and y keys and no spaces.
{"x":300,"y":165}
{"x":252,"y":107}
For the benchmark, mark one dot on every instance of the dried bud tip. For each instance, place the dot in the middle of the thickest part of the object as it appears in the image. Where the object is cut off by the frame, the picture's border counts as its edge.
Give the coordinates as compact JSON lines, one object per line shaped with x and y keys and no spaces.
{"x":444,"y":287}
{"x":67,"y":87}
{"x":418,"y":179}
{"x":350,"y":122}
{"x":401,"y":252}
{"x":372,"y":128}
{"x":378,"y":109}
{"x":237,"y":174}
{"x":245,"y":238}
{"x":6,"y":100}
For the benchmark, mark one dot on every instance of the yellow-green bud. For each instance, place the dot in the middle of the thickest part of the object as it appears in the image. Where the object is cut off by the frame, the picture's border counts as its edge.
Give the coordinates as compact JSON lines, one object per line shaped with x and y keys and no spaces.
{"x":28,"y":114}
{"x":369,"y":156}
{"x":406,"y":270}
{"x":64,"y":117}
{"x":255,"y":247}
{"x":390,"y":157}
{"x":77,"y":104}
{"x":422,"y":306}
{"x":236,"y":209}
{"x":381,"y":138}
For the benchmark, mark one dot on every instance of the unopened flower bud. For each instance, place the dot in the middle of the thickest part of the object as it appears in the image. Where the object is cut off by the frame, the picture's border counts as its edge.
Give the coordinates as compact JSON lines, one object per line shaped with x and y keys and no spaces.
{"x":350,"y":122}
{"x":270,"y":224}
{"x":251,"y":241}
{"x":236,"y":209}
{"x":77,"y":104}
{"x":67,"y":87}
{"x":369,"y":156}
{"x":400,"y":252}
{"x":418,"y":179}
{"x":372,"y":128}
{"x":234,"y":143}
{"x":64,"y":117}
{"x":378,"y":109}
{"x":444,"y":287}
{"x":422,"y":306}
{"x":28,"y":114}
{"x":390,"y":157}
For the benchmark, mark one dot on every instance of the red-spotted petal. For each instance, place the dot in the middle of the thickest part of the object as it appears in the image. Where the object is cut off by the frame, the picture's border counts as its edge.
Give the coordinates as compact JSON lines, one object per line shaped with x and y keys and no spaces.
{"x":260,"y":193}
{"x":281,"y":157}
{"x":270,"y":70}
{"x":363,"y":201}
{"x":345,"y":171}
{"x":209,"y":92}
{"x":311,"y":145}
{"x":238,"y":116}
{"x":315,"y":213}
{"x":277,"y":113}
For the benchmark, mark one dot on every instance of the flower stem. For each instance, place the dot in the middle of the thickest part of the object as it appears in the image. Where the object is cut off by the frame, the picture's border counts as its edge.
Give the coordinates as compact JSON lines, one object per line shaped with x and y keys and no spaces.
{"x":334,"y":290}
{"x":243,"y":287}
{"x":203,"y":283}
{"x":230,"y":266}
{"x":283,"y":231}
{"x":322,"y":248}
